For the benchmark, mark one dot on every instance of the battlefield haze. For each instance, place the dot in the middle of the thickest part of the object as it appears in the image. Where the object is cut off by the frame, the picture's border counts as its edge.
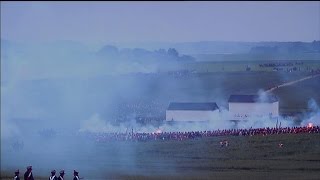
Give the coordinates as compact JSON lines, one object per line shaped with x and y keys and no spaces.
{"x":71,"y":71}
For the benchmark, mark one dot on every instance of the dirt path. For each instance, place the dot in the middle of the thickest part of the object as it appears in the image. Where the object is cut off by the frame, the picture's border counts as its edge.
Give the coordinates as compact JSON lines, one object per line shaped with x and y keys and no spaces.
{"x":291,"y":82}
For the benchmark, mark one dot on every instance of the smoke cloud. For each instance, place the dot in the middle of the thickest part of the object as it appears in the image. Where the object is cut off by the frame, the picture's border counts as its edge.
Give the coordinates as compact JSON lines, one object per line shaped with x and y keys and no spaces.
{"x":314,"y":115}
{"x":52,"y":94}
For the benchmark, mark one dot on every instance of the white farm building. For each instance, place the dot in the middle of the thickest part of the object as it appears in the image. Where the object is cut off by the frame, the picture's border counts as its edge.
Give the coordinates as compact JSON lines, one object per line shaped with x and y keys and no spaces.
{"x":245,"y":107}
{"x":191,"y":112}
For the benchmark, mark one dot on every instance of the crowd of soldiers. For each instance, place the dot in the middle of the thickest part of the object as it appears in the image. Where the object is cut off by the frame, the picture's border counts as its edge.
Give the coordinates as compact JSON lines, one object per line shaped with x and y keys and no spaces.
{"x":29,"y":176}
{"x":284,"y":64}
{"x":104,"y":137}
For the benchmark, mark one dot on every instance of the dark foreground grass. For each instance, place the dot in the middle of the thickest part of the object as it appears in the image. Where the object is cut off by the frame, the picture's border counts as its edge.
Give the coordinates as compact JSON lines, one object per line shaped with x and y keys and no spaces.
{"x":256,"y":157}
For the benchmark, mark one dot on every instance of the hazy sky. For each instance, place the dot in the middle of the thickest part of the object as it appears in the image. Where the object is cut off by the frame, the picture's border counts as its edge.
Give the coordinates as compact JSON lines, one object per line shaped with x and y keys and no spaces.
{"x":160,"y":21}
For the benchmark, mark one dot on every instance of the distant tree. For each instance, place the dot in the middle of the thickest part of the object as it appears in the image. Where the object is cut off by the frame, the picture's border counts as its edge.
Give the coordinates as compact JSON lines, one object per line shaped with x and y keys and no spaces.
{"x":109,"y":51}
{"x":173,"y":52}
{"x":161,"y":51}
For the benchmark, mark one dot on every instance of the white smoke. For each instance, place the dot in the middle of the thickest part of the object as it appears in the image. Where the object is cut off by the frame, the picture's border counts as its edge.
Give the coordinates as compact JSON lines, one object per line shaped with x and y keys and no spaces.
{"x":314,"y":116}
{"x":263,"y":95}
{"x":9,"y":129}
{"x":96,"y":124}
{"x":221,"y":121}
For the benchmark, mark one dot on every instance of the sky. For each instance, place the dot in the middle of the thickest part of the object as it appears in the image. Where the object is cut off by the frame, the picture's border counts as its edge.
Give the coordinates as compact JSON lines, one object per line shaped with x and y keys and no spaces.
{"x":140,"y":21}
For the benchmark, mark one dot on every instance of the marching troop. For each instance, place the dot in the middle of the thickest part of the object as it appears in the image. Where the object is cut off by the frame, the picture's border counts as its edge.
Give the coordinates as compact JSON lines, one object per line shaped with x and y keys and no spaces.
{"x":29,"y":176}
{"x":156,"y":136}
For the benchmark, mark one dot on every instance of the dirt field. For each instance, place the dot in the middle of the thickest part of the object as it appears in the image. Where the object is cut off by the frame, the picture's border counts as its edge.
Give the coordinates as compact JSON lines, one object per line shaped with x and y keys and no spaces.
{"x":256,"y":157}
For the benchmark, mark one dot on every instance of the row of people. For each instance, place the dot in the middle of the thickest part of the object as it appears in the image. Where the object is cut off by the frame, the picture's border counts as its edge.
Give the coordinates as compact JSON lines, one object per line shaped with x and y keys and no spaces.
{"x":277,"y":64}
{"x":102,"y":137}
{"x":29,"y":176}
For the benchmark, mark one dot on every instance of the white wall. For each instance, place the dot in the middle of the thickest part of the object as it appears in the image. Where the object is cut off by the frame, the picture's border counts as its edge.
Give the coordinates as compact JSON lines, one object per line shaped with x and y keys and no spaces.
{"x":245,"y":111}
{"x":191,"y":115}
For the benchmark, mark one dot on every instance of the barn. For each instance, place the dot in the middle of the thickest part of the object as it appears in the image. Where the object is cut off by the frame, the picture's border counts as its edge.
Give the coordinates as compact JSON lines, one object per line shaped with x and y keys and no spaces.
{"x":245,"y":107}
{"x":191,"y":112}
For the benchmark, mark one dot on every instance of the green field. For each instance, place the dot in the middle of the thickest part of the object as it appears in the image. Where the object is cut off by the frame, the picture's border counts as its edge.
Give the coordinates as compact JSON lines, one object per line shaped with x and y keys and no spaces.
{"x":256,"y":157}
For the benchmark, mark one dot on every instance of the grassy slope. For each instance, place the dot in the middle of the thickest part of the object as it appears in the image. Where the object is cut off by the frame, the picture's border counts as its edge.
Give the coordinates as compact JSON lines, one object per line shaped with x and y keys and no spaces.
{"x":246,"y":157}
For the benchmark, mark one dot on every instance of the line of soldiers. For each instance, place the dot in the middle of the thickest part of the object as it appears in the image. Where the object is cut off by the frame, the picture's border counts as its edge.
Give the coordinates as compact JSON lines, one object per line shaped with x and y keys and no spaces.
{"x":29,"y":176}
